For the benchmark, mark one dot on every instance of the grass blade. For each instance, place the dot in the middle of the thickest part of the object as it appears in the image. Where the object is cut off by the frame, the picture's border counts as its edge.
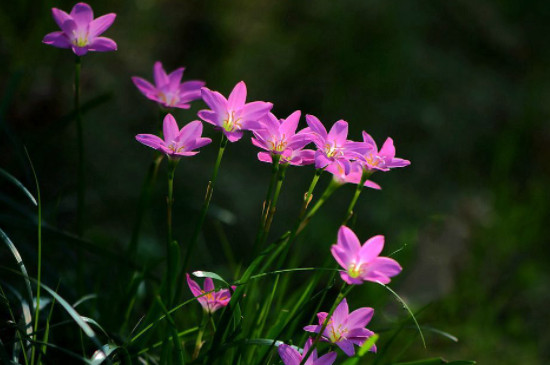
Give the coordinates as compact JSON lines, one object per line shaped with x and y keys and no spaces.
{"x":17,"y":183}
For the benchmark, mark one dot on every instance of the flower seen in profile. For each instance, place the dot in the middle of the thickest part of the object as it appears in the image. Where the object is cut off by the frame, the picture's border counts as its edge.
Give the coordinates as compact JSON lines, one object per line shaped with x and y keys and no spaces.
{"x":233,"y":115}
{"x":168,"y":90}
{"x":363,"y":263}
{"x":292,"y":356}
{"x":354,"y":175}
{"x":176,"y":142}
{"x":382,"y":160}
{"x":345,"y":329}
{"x":80,"y":31}
{"x":279,"y":137}
{"x":210,"y":299}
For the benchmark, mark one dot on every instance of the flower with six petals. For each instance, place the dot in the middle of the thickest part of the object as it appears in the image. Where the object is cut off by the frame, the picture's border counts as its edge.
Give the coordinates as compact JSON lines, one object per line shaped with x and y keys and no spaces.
{"x":210,"y":299}
{"x":168,"y":90}
{"x":176,"y":142}
{"x":345,"y":329}
{"x":382,"y":160}
{"x":291,"y":356}
{"x":80,"y":31}
{"x":233,"y":115}
{"x":363,"y":263}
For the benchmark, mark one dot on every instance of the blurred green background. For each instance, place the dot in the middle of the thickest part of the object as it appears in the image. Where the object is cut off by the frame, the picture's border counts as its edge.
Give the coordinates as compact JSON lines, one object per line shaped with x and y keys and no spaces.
{"x":463,"y":88}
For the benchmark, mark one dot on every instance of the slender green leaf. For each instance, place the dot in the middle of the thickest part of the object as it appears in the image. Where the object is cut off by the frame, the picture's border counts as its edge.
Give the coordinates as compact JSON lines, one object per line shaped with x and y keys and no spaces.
{"x":100,"y":356}
{"x":20,"y":263}
{"x":17,"y":183}
{"x":211,"y":275}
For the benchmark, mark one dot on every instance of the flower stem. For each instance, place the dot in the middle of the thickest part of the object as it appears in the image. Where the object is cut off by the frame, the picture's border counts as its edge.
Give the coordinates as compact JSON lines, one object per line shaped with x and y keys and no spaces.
{"x":202,"y":328}
{"x":80,"y":145}
{"x":204,"y":210}
{"x":358,"y":190}
{"x":273,"y":205}
{"x":169,"y":203}
{"x":341,"y":295}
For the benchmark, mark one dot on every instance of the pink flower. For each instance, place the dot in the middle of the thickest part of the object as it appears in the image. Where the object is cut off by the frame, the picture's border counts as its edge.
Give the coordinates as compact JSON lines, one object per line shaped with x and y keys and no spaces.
{"x":291,"y":356}
{"x":334,"y":145}
{"x":382,"y":160}
{"x":279,"y":137}
{"x":345,"y":329}
{"x":176,"y":142}
{"x":80,"y":31}
{"x":232,"y":115}
{"x":213,"y":300}
{"x":168,"y":90}
{"x":362,"y":263}
{"x":354,"y":175}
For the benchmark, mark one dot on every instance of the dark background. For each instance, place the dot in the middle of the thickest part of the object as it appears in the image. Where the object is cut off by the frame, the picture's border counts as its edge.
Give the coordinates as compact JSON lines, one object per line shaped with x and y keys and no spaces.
{"x":461,"y":86}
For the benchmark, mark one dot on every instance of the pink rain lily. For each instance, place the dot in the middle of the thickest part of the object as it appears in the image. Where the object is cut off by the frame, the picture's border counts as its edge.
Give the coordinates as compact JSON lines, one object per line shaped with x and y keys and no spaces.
{"x":209,"y":299}
{"x":279,"y":137}
{"x":168,"y":90}
{"x":80,"y":31}
{"x":382,"y":160}
{"x":176,"y":143}
{"x":291,"y":356}
{"x":345,"y":329}
{"x":354,"y":175}
{"x":232,"y":115}
{"x":363,"y":263}
{"x":334,"y":145}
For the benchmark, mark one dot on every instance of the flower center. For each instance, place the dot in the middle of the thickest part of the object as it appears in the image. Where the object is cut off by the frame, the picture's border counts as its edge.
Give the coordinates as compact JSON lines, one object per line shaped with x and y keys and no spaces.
{"x":331,"y":149}
{"x":277,"y":145}
{"x":373,"y":160}
{"x":356,"y":270}
{"x":80,"y":38}
{"x":336,"y":333}
{"x":169,"y":98}
{"x":175,"y":149}
{"x":230,"y":123}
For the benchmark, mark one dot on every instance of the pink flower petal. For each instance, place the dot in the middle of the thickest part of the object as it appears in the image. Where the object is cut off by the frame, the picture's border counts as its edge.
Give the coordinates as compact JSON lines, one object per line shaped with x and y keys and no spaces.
{"x":339,"y":132}
{"x":82,"y":14}
{"x":102,"y":44}
{"x":289,"y":355}
{"x":255,"y":110}
{"x":159,"y":75}
{"x":101,"y":24}
{"x":170,"y":129}
{"x":372,"y":248}
{"x":237,"y":97}
{"x":360,"y":317}
{"x":316,"y":126}
{"x":59,"y":16}
{"x":150,"y":140}
{"x":348,"y":240}
{"x":57,"y":39}
{"x":290,"y":124}
{"x":215,"y":101}
{"x":144,"y":86}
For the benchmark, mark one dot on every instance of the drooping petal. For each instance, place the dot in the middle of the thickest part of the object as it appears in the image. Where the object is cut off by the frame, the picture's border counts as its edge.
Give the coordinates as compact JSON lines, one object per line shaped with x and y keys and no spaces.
{"x":234,"y":136}
{"x":360,"y":317}
{"x":79,"y":51}
{"x":144,"y":86}
{"x":82,"y":14}
{"x":170,"y":129}
{"x":57,"y":39}
{"x":150,"y":140}
{"x":372,"y":248}
{"x":326,"y":359}
{"x":101,"y":24}
{"x":289,"y":355}
{"x":237,"y":97}
{"x":348,"y":240}
{"x":265,"y":157}
{"x":259,"y":143}
{"x":159,"y":75}
{"x":347,"y":347}
{"x":59,"y":16}
{"x":372,"y":185}
{"x":348,"y":279}
{"x":102,"y":44}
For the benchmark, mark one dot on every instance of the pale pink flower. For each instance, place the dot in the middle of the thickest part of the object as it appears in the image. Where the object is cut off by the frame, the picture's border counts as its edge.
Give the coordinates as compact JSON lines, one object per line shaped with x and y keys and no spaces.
{"x":210,"y":299}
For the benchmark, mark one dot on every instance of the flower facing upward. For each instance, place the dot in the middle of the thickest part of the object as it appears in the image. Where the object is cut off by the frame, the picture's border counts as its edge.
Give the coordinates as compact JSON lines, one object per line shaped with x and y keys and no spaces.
{"x":80,"y":31}
{"x":176,"y":142}
{"x":291,"y":356}
{"x":232,"y":115}
{"x":334,"y":145}
{"x":345,"y":329}
{"x":213,"y":300}
{"x":382,"y":160}
{"x":362,"y":263}
{"x":279,"y":137}
{"x":168,"y":90}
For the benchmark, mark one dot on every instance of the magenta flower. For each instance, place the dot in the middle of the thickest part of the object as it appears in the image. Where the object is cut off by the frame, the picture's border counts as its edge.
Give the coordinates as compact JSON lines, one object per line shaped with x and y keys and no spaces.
{"x":291,"y":356}
{"x":362,"y":263}
{"x":209,"y":299}
{"x":168,"y":90}
{"x":382,"y":160}
{"x":80,"y":31}
{"x":354,"y":175}
{"x":345,"y":329}
{"x":334,"y":145}
{"x":232,"y":115}
{"x":176,"y":143}
{"x":279,"y":137}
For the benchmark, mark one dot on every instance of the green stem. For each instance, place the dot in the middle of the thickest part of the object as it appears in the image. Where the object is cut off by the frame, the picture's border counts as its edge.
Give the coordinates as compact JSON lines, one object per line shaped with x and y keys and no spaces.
{"x":39,"y":264}
{"x":273,"y":205}
{"x":266,"y":204}
{"x":169,"y":203}
{"x":341,"y":295}
{"x":204,"y":211}
{"x":80,"y":146}
{"x":331,"y":188}
{"x":198,"y":342}
{"x":358,"y":190}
